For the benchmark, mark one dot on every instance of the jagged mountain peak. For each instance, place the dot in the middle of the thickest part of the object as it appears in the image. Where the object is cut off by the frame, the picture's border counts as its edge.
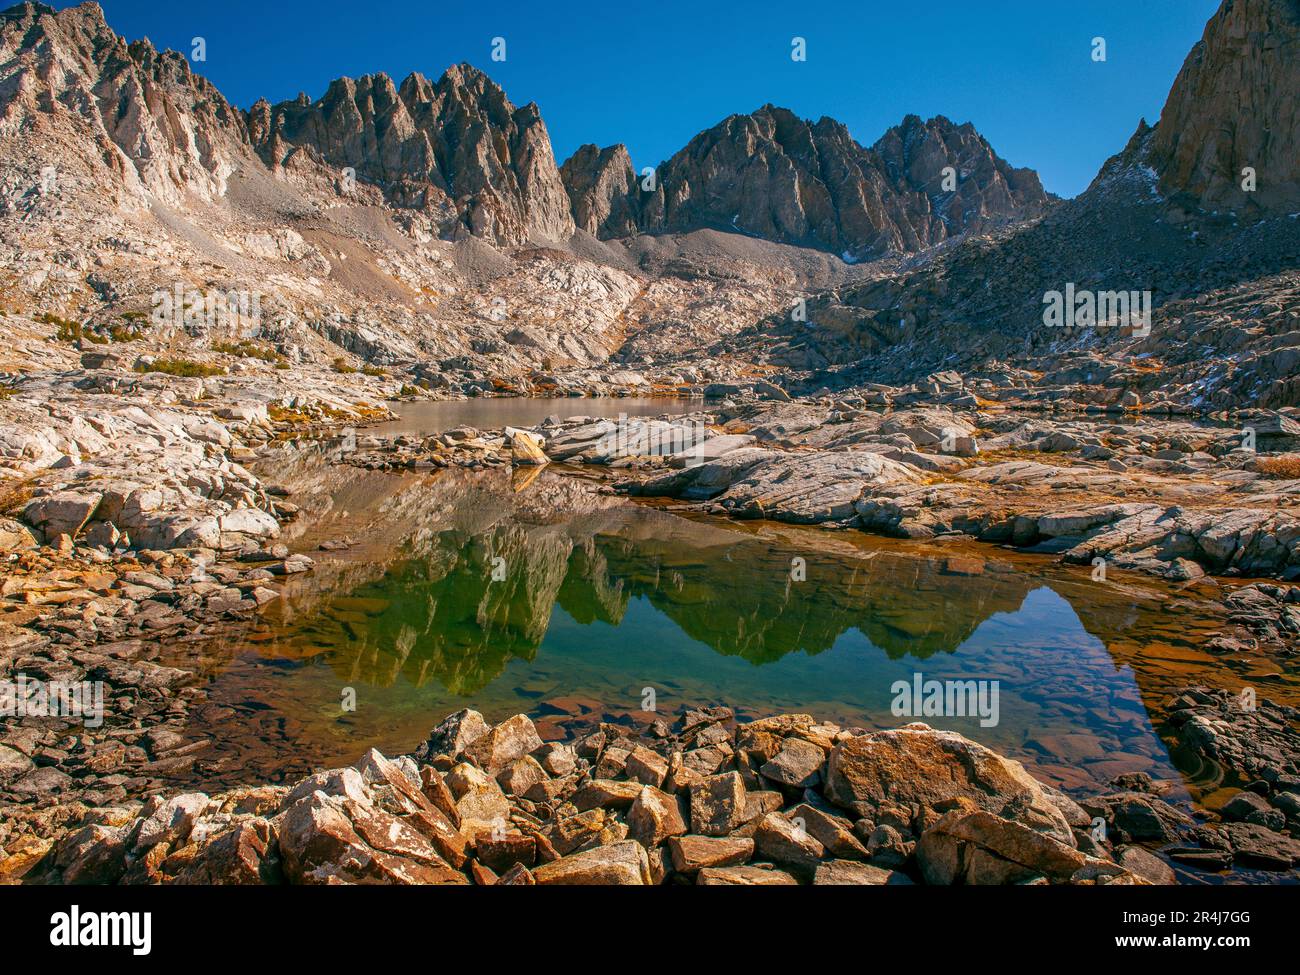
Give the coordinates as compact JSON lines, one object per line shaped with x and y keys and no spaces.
{"x":456,"y":149}
{"x":602,"y":190}
{"x":772,"y":174}
{"x":956,"y":168}
{"x":464,"y":75}
{"x":129,"y":118}
{"x":1234,"y":106}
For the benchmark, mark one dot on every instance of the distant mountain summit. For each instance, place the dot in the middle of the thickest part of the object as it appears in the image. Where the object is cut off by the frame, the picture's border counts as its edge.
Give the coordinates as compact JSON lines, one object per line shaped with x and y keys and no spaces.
{"x":428,"y":220}
{"x":137,"y":120}
{"x":989,"y":191}
{"x":773,"y":175}
{"x":456,"y":147}
{"x":1198,"y":210}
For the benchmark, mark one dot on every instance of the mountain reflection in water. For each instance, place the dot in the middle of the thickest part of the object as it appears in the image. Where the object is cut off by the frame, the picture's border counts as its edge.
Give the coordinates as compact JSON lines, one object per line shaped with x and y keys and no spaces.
{"x":570,"y":609}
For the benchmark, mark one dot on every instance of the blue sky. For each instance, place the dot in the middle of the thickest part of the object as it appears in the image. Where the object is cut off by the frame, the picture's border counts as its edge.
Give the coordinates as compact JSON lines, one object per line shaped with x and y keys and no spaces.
{"x":652,"y":74}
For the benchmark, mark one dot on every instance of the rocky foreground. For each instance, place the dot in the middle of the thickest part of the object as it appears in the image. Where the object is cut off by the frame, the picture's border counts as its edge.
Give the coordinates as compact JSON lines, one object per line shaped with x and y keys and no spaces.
{"x":784,"y":800}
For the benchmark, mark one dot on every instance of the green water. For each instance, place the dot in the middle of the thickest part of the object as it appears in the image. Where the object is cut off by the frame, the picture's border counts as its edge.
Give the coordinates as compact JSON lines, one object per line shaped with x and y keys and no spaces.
{"x":576,"y":616}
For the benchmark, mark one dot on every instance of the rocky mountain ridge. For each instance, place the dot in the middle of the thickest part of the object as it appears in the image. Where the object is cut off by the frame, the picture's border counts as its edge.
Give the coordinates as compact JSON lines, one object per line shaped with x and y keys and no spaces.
{"x":773,"y":175}
{"x":457,"y":148}
{"x":459,"y":151}
{"x":424,"y":227}
{"x":1167,"y":216}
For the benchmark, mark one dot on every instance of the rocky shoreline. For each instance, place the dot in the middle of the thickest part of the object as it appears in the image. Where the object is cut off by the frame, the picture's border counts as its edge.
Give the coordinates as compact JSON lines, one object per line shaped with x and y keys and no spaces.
{"x":134,"y":524}
{"x":130,"y":524}
{"x":702,"y":800}
{"x":1178,"y":498}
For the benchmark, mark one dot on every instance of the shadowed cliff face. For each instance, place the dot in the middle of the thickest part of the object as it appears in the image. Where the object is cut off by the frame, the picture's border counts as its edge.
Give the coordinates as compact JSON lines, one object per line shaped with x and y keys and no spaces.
{"x":602,"y":190}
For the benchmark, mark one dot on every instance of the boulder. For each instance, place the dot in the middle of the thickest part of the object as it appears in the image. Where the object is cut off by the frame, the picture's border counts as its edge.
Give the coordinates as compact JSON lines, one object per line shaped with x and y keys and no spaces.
{"x":169,"y":820}
{"x":62,"y":513}
{"x":717,"y":804}
{"x":918,"y":765}
{"x":832,"y":832}
{"x":744,"y":876}
{"x":692,"y":853}
{"x":526,"y":447}
{"x":95,"y":854}
{"x":787,"y":842}
{"x":798,"y":764}
{"x":481,"y":806}
{"x":619,"y":864}
{"x":499,"y":746}
{"x":654,"y":817}
{"x":321,"y":844}
{"x":844,"y":873}
{"x":455,"y":733}
{"x":981,"y":848}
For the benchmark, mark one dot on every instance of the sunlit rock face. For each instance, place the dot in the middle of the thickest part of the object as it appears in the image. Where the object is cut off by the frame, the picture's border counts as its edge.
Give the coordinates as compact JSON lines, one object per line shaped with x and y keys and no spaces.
{"x":1233,"y":108}
{"x":772,"y":174}
{"x":456,"y":147}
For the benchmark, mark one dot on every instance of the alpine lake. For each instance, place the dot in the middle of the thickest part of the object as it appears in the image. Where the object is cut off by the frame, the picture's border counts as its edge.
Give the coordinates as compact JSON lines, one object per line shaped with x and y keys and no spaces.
{"x":540,"y":591}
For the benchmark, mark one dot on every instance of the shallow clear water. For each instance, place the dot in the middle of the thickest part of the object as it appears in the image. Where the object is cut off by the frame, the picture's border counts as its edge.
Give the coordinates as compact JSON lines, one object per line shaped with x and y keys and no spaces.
{"x":570,"y":607}
{"x":426,"y":418}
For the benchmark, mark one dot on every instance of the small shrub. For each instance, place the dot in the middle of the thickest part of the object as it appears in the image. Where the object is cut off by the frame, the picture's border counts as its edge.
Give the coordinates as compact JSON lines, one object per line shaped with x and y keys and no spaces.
{"x":370,"y":370}
{"x":66,"y":329}
{"x":72,"y":332}
{"x":180,"y":367}
{"x":248,"y":349}
{"x":119,"y":332}
{"x":341,"y":365}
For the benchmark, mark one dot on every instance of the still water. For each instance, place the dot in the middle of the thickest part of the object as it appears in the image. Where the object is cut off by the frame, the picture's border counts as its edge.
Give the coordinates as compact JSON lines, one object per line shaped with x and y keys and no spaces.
{"x":550,"y":598}
{"x":426,"y":418}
